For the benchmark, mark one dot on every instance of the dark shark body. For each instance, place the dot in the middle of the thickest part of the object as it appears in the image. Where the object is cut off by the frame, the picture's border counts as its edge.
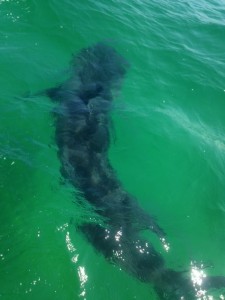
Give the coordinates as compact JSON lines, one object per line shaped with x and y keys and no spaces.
{"x":82,"y":121}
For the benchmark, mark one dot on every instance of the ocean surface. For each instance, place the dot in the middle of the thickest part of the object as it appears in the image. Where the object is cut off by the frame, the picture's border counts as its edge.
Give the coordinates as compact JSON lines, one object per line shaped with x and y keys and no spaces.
{"x":168,"y":150}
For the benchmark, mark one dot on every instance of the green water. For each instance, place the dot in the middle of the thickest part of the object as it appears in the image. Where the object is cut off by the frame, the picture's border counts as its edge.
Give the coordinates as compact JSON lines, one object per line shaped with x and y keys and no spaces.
{"x":169,"y":150}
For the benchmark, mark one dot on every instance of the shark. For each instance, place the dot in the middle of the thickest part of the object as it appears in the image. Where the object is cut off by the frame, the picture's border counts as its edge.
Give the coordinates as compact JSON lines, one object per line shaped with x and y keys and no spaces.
{"x":82,"y":119}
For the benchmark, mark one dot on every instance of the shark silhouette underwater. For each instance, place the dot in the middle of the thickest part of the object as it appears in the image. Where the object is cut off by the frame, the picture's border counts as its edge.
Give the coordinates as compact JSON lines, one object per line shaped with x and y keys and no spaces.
{"x":82,"y":134}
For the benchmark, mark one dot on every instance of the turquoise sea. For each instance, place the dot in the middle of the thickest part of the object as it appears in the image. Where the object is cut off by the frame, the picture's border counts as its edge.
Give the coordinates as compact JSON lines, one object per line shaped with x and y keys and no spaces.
{"x":169,"y":148}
